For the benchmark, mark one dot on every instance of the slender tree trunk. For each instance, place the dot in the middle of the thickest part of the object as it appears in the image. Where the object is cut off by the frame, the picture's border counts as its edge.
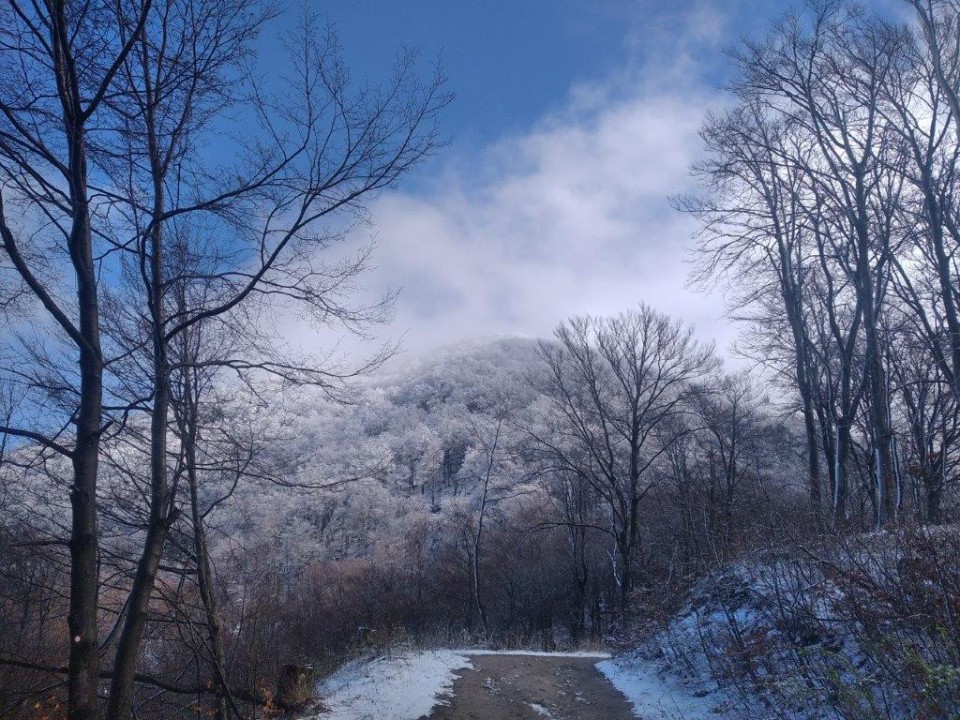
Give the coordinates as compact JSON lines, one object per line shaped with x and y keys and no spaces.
{"x":162,"y":513}
{"x":632,"y":530}
{"x":626,"y":574}
{"x":828,"y":441}
{"x":877,"y":388}
{"x":580,"y":587}
{"x":948,"y":291}
{"x":160,"y":519}
{"x":205,"y":576}
{"x":83,"y":676}
{"x":864,"y":279}
{"x":83,"y":664}
{"x":475,"y":589}
{"x":813,"y":460}
{"x":189,"y":438}
{"x":793,"y":302}
{"x":478,"y":537}
{"x":728,"y":510}
{"x":934,"y":496}
{"x":841,"y":487}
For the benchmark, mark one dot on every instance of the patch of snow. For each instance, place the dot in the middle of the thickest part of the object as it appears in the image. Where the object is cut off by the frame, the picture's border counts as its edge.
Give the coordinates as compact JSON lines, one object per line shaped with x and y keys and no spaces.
{"x":539,"y":653}
{"x":653,"y":695}
{"x":406,"y":687}
{"x":540,"y":710}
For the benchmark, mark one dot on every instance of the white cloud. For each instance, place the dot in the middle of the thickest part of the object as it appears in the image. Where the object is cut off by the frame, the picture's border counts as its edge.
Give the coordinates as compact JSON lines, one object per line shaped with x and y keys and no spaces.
{"x":572,"y":217}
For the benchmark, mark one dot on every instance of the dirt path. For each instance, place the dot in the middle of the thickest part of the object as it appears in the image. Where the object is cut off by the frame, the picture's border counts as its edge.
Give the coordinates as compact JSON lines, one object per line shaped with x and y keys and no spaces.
{"x":520,"y":687}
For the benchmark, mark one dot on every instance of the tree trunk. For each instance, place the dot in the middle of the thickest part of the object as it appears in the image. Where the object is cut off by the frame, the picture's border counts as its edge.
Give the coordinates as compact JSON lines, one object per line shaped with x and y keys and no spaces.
{"x":864,"y":279}
{"x":83,"y":664}
{"x":883,"y":461}
{"x":792,"y":302}
{"x":948,"y":291}
{"x":841,"y":486}
{"x":204,"y":570}
{"x":626,"y":577}
{"x":934,"y":496}
{"x":813,"y":462}
{"x":162,"y":513}
{"x":83,"y":667}
{"x":475,"y":586}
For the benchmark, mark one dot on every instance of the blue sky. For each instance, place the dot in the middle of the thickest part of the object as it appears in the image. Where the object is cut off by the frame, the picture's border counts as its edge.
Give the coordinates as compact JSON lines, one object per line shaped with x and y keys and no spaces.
{"x":574,"y":123}
{"x":508,"y":62}
{"x":511,"y":62}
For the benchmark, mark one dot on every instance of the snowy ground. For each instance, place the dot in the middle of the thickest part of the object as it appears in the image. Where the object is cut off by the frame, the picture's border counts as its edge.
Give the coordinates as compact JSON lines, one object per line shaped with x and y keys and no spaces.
{"x":539,"y":653}
{"x":405,"y":687}
{"x":412,"y":684}
{"x":656,"y":697}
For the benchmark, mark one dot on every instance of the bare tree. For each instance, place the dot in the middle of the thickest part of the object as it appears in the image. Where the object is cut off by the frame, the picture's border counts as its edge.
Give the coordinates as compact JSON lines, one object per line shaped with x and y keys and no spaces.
{"x":343,"y":147}
{"x":490,"y":447}
{"x":730,"y":433}
{"x":929,"y":415}
{"x":576,"y":506}
{"x":58,"y":63}
{"x":824,"y":75}
{"x":614,"y":383}
{"x":922,"y":100}
{"x":756,"y":225}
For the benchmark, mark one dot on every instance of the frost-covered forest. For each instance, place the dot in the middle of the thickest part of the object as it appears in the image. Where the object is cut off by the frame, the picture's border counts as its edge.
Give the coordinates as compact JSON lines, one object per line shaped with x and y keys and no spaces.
{"x":199,"y":518}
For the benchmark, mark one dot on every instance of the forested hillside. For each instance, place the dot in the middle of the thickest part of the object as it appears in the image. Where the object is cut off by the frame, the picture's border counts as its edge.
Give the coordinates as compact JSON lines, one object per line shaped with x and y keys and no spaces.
{"x":445,"y":503}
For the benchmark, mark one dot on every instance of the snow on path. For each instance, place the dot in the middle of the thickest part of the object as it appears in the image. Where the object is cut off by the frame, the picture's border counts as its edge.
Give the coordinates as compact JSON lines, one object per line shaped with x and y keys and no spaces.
{"x":403,"y":688}
{"x":541,"y":710}
{"x":410,"y":685}
{"x":406,"y":687}
{"x":539,"y":653}
{"x":654,"y":697}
